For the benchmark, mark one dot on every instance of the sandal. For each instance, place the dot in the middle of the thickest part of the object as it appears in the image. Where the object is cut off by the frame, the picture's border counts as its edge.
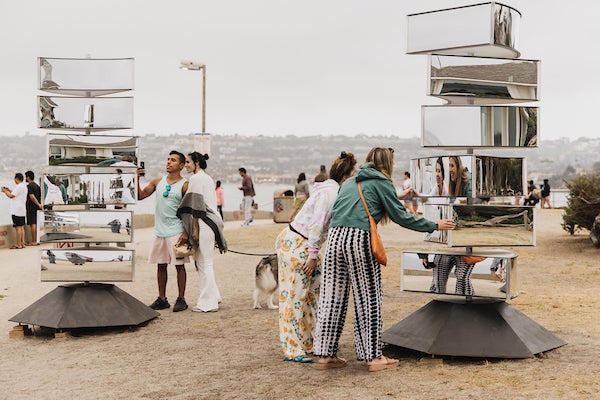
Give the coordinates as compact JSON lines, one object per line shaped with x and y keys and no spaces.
{"x":325,"y":363}
{"x":302,"y":358}
{"x":378,"y":366}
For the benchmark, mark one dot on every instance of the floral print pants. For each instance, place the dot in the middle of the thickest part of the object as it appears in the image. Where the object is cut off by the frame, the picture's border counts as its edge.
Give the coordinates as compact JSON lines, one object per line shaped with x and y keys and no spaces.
{"x":298,"y":295}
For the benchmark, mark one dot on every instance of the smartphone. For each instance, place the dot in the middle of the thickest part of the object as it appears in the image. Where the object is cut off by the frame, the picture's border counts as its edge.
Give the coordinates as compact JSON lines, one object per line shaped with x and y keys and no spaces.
{"x":142,"y":165}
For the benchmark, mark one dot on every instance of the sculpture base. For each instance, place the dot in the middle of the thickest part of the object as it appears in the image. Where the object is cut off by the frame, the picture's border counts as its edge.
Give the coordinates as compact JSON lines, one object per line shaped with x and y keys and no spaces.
{"x":93,"y":305}
{"x":481,"y":328}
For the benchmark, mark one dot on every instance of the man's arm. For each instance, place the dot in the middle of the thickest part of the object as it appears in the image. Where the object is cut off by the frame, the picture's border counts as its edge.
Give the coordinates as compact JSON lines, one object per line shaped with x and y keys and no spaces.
{"x":35,"y":201}
{"x":148,"y":190}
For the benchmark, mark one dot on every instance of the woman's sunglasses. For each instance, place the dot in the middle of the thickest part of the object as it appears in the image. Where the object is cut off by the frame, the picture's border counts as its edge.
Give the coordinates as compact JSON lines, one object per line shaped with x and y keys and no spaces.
{"x":166,"y":192}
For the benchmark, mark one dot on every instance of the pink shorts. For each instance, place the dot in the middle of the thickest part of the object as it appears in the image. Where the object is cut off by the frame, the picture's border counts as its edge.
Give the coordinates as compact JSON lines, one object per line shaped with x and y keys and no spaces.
{"x":162,"y":251}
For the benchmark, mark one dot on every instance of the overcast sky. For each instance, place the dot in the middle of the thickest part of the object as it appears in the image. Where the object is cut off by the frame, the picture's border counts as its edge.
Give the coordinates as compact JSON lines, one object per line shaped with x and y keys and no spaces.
{"x":279,"y":67}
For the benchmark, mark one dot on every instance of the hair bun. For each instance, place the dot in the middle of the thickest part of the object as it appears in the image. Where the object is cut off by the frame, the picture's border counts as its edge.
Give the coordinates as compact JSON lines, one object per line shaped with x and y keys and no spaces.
{"x":205,"y":156}
{"x":343,"y":154}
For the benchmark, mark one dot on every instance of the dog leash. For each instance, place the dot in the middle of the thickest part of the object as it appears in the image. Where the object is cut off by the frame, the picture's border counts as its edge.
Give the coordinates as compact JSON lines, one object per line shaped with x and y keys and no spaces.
{"x":250,"y":254}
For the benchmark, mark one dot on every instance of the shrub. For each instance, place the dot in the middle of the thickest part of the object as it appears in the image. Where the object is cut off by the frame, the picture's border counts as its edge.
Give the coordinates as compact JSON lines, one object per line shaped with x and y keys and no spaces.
{"x":583,"y":203}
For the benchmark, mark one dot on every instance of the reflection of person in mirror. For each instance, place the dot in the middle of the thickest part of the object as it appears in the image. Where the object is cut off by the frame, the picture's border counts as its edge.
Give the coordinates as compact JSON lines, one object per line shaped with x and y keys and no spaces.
{"x":533,"y":195}
{"x":350,"y":262}
{"x":408,"y":194}
{"x":168,"y":229}
{"x":52,"y":192}
{"x":497,"y":269}
{"x":439,"y":189}
{"x":297,"y":248}
{"x":443,"y":265}
{"x":460,"y":181}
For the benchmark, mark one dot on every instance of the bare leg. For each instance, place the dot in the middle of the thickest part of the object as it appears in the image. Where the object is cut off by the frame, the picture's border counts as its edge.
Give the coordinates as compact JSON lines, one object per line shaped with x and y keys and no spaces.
{"x":161,"y":279}
{"x":181,"y":280}
{"x":33,"y":233}
{"x":20,"y":236}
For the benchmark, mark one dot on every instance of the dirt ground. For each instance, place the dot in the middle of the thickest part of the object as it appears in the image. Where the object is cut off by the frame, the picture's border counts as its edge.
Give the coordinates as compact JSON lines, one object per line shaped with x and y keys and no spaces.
{"x":234,"y":353}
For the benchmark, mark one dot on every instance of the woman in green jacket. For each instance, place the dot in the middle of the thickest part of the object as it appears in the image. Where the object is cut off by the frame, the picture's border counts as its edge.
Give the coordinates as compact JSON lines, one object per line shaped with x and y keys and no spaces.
{"x":349,"y":261}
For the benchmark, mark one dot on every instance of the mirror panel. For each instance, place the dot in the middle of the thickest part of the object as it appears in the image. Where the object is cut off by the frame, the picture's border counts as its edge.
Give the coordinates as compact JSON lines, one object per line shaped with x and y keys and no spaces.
{"x":85,"y":76}
{"x":85,"y":113}
{"x":479,"y":80}
{"x":85,"y":264}
{"x":492,"y":274}
{"x":97,"y":190}
{"x":487,"y":176}
{"x":88,"y":226}
{"x":92,"y":151}
{"x":454,"y":126}
{"x":488,"y":29}
{"x":482,"y":225}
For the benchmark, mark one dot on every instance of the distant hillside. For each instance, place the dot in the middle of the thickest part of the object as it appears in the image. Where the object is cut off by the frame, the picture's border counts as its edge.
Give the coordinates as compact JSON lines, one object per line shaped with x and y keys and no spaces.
{"x":289,"y":155}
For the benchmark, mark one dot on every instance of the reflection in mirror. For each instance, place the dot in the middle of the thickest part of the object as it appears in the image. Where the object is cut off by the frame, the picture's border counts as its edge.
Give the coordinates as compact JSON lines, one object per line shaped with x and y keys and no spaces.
{"x":490,"y":176}
{"x":488,"y":29}
{"x":92,"y":151}
{"x":82,"y":76}
{"x":98,"y":190}
{"x":87,"y":264}
{"x":95,"y":226}
{"x":83,"y":113}
{"x":490,"y":273}
{"x":477,"y":80}
{"x":484,"y":225}
{"x":477,"y":126}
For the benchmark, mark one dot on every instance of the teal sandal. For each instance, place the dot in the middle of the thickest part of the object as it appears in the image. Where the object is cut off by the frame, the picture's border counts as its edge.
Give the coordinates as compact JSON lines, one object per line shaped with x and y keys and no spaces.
{"x":303,"y":358}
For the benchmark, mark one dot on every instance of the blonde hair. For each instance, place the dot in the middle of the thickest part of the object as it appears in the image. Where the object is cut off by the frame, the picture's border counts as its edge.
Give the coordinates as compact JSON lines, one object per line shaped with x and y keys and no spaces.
{"x":382,"y":159}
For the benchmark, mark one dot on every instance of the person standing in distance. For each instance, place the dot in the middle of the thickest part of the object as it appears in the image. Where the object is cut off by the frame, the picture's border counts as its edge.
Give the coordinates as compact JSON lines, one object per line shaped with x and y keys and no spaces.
{"x":168,"y":229}
{"x":32,"y":205}
{"x":247,"y":188}
{"x":17,"y":198}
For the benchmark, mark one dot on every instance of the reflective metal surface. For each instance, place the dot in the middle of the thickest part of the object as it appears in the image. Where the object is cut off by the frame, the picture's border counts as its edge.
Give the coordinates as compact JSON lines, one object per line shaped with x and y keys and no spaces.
{"x":100,"y":190}
{"x":87,"y":264}
{"x":482,"y":80}
{"x":492,"y":274}
{"x":487,"y":176}
{"x":91,"y":226}
{"x":100,"y":151}
{"x":85,"y":76}
{"x":478,"y":126}
{"x":487,"y":29}
{"x":483,"y":225}
{"x":85,"y":113}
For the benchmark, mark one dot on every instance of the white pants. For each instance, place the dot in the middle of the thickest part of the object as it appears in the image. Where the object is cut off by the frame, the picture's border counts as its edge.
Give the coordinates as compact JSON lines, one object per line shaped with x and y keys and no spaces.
{"x":248,"y":200}
{"x":210,"y":296}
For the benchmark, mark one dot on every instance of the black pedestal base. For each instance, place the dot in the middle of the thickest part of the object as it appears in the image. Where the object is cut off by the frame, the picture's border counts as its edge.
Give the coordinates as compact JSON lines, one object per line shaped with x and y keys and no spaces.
{"x":92,"y":305}
{"x":472,"y":329}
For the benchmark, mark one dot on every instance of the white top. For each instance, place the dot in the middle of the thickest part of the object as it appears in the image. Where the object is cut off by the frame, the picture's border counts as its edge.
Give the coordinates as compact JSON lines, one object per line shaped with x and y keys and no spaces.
{"x":203,"y":184}
{"x":17,"y":203}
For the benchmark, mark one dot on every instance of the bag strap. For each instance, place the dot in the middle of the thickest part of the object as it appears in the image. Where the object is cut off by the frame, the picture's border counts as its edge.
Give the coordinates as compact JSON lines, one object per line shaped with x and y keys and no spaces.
{"x":363,"y":200}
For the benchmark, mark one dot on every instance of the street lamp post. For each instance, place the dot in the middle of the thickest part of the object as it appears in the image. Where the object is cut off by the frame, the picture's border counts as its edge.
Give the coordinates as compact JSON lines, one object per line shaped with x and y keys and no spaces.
{"x":196,"y":66}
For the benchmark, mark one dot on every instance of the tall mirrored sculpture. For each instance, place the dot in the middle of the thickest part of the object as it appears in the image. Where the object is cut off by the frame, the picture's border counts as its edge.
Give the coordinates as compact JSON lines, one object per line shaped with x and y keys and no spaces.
{"x":472,"y":65}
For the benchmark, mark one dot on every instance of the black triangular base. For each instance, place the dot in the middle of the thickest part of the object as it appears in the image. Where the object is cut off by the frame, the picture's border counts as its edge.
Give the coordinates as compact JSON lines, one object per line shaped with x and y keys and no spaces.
{"x":91,"y":305}
{"x":472,"y":329}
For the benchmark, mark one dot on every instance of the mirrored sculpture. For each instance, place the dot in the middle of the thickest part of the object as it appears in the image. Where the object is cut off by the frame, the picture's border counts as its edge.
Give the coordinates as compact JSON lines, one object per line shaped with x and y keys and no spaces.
{"x":483,"y":80}
{"x":92,"y":151}
{"x":89,"y":226}
{"x":483,"y":225}
{"x":490,"y":273}
{"x":87,"y":264}
{"x":85,"y":76}
{"x":459,"y":176}
{"x":487,"y":29}
{"x":85,"y":113}
{"x":452,"y":126}
{"x":116,"y":189}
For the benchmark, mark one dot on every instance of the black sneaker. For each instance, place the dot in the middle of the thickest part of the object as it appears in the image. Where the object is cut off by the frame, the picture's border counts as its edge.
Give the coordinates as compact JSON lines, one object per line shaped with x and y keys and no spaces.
{"x":160,"y":304}
{"x":180,"y":305}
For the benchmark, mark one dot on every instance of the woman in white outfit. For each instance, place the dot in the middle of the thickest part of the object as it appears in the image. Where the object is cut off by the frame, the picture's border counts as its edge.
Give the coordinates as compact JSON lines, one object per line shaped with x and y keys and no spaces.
{"x":206,"y":228}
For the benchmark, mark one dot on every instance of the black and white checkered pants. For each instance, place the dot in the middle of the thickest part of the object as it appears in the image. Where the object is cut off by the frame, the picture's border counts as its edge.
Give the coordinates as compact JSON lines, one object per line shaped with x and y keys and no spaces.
{"x":349,"y":261}
{"x":443,"y":265}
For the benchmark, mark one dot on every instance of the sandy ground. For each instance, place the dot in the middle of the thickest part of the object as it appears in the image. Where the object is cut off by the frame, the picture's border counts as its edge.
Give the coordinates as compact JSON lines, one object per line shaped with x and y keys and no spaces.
{"x":234,"y":353}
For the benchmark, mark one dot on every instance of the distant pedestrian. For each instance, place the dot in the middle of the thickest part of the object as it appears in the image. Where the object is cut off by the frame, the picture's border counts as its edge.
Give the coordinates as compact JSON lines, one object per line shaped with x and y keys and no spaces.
{"x":220,"y":199}
{"x":322,"y":176}
{"x":545,"y":194}
{"x":247,"y":188}
{"x":32,"y":205}
{"x":18,"y":198}
{"x":408,"y":194}
{"x":301,"y":193}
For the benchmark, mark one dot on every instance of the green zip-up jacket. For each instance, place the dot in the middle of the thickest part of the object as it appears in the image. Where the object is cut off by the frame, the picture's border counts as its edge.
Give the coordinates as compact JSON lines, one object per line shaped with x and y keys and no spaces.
{"x":381,"y":198}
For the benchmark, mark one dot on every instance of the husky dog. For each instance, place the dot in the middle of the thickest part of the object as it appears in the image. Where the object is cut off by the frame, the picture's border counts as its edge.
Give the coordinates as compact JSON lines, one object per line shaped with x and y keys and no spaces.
{"x":266,"y":281}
